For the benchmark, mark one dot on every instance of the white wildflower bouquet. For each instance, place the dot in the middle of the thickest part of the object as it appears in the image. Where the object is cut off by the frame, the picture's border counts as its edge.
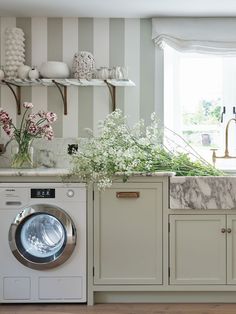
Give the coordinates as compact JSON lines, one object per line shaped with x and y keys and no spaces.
{"x":123,"y":150}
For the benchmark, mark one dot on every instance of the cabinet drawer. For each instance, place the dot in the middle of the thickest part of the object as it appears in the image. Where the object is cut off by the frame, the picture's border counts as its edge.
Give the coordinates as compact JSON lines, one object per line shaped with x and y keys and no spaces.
{"x":128,"y":234}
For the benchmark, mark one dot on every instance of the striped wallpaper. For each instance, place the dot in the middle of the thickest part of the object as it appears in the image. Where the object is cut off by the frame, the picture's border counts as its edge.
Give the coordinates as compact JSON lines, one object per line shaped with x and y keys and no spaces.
{"x":112,"y":42}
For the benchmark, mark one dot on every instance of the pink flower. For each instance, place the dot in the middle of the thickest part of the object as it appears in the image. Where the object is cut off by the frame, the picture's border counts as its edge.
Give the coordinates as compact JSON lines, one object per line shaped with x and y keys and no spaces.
{"x":47,"y":132}
{"x":51,"y":117}
{"x":33,"y":129}
{"x":33,"y":125}
{"x":32,"y":117}
{"x":4,"y":117}
{"x":8,"y":129}
{"x":42,"y":114}
{"x":28,"y":105}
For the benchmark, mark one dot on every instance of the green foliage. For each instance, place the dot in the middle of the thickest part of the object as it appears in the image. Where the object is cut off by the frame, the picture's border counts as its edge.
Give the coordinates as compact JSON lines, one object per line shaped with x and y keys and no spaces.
{"x":207,"y":112}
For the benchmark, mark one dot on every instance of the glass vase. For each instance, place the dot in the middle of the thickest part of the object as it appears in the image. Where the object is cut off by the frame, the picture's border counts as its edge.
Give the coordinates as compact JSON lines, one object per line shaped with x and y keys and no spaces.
{"x":22,"y":155}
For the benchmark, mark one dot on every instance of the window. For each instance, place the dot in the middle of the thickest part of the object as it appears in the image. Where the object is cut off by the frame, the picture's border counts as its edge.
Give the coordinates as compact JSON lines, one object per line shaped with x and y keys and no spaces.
{"x":197,"y":89}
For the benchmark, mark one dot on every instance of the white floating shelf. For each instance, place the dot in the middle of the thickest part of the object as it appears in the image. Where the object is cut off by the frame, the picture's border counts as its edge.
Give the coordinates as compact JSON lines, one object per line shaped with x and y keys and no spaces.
{"x":62,"y":85}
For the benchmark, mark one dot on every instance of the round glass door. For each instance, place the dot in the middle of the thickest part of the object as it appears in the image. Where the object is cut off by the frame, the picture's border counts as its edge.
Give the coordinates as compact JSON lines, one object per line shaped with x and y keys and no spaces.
{"x":42,"y":236}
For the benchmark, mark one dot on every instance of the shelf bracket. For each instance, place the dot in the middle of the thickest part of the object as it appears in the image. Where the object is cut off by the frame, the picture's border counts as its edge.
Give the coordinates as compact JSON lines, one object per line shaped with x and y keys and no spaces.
{"x":63,"y":91}
{"x":112,"y":90}
{"x":17,"y":94}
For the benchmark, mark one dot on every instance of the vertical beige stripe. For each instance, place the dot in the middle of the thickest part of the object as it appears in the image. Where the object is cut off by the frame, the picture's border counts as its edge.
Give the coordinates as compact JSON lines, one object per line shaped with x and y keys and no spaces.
{"x":85,"y":43}
{"x":70,"y":47}
{"x":117,"y":52}
{"x":132,"y":61}
{"x":39,"y":55}
{"x":54,"y":39}
{"x":25,"y":25}
{"x":101,"y":55}
{"x":7,"y":99}
{"x":147,"y":70}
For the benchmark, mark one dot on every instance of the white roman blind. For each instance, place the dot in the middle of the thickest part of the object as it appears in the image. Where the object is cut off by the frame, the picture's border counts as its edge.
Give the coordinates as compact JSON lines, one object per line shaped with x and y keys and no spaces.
{"x":203,"y":35}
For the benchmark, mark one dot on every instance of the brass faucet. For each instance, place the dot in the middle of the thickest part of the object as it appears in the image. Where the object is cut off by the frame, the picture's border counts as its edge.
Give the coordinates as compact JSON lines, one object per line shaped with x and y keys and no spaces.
{"x":226,"y":155}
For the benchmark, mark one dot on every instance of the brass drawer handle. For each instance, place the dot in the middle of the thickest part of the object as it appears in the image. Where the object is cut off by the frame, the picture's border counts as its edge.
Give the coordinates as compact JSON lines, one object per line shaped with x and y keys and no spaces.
{"x":127,"y":194}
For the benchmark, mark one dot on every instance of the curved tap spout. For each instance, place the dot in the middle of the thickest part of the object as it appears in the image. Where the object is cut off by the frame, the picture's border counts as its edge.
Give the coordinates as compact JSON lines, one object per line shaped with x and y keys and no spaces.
{"x":227,"y":137}
{"x":226,"y":155}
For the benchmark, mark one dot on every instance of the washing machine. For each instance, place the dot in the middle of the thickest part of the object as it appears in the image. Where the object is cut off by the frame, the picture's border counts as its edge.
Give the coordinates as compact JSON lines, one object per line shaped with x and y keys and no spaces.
{"x":42,"y":243}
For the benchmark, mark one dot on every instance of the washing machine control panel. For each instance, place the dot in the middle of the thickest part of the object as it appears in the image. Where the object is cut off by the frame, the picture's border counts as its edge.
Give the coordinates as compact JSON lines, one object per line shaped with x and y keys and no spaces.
{"x":70,"y":193}
{"x":42,"y":193}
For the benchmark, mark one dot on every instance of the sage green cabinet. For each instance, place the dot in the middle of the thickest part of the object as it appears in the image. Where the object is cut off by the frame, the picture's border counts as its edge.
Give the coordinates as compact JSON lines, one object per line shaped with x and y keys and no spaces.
{"x":128,"y":234}
{"x":231,"y":249}
{"x":203,"y":249}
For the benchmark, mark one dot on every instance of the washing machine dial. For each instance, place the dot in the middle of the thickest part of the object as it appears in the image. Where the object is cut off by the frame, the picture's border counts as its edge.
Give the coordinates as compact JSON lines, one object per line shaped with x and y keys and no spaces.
{"x":70,"y":193}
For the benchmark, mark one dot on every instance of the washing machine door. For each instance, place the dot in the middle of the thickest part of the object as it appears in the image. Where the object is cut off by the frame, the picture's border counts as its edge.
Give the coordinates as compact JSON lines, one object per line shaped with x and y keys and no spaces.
{"x":42,"y":236}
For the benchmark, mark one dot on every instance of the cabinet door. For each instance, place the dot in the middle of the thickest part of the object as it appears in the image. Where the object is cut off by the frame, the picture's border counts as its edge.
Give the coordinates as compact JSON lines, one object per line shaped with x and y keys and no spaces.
{"x":128,"y":234}
{"x":197,"y":249}
{"x":231,"y":249}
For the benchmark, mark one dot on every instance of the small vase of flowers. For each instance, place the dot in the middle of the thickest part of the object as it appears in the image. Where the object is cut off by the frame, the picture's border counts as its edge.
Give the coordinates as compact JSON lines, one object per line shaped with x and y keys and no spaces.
{"x":33,"y":125}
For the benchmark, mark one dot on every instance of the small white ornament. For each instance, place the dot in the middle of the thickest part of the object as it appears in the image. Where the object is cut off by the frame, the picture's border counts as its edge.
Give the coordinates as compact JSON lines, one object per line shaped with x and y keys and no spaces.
{"x":23,"y":71}
{"x":34,"y":73}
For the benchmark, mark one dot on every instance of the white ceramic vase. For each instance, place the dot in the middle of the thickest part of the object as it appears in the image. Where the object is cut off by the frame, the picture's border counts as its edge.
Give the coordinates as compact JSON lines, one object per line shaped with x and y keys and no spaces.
{"x":83,"y":65}
{"x":14,"y":51}
{"x":54,"y":70}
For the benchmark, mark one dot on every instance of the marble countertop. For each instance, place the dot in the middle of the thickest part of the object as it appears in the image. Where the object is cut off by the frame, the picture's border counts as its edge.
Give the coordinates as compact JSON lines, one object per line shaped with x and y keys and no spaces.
{"x":203,"y":192}
{"x":36,"y":172}
{"x":149,"y":174}
{"x":40,"y":172}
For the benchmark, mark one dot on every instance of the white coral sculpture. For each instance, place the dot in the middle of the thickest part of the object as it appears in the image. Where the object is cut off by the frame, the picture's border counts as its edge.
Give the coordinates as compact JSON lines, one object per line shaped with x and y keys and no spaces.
{"x":14,"y":51}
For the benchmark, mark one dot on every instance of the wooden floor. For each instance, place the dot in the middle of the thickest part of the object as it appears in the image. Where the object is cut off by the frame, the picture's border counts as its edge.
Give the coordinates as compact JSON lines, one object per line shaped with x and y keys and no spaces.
{"x":120,"y":309}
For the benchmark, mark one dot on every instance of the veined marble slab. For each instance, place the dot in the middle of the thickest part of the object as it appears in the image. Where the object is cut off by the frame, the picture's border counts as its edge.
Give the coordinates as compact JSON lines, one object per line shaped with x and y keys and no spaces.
{"x":40,"y":172}
{"x":203,"y":193}
{"x":35,"y":172}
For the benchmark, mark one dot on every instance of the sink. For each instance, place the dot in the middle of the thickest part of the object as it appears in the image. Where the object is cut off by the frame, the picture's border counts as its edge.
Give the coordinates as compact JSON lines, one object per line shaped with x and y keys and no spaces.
{"x":203,"y":192}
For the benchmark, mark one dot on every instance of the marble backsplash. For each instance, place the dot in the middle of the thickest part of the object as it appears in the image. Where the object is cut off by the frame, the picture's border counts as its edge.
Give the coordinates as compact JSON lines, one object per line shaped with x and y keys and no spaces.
{"x":47,"y":154}
{"x":203,"y":193}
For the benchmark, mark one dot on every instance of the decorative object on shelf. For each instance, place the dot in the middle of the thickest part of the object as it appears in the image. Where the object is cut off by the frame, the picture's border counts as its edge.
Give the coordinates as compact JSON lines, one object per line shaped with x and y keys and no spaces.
{"x":54,"y":70}
{"x":116,"y":73}
{"x":34,"y":73}
{"x":2,"y":73}
{"x":124,"y":150}
{"x":125,"y":73}
{"x":23,"y":71}
{"x":14,"y":51}
{"x":83,"y":65}
{"x":103,"y":73}
{"x":119,"y":73}
{"x":34,"y":125}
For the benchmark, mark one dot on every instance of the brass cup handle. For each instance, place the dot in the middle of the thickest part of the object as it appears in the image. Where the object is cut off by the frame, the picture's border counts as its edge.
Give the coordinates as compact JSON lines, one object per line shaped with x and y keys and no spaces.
{"x":223,"y":230}
{"x":127,"y":194}
{"x":229,"y":230}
